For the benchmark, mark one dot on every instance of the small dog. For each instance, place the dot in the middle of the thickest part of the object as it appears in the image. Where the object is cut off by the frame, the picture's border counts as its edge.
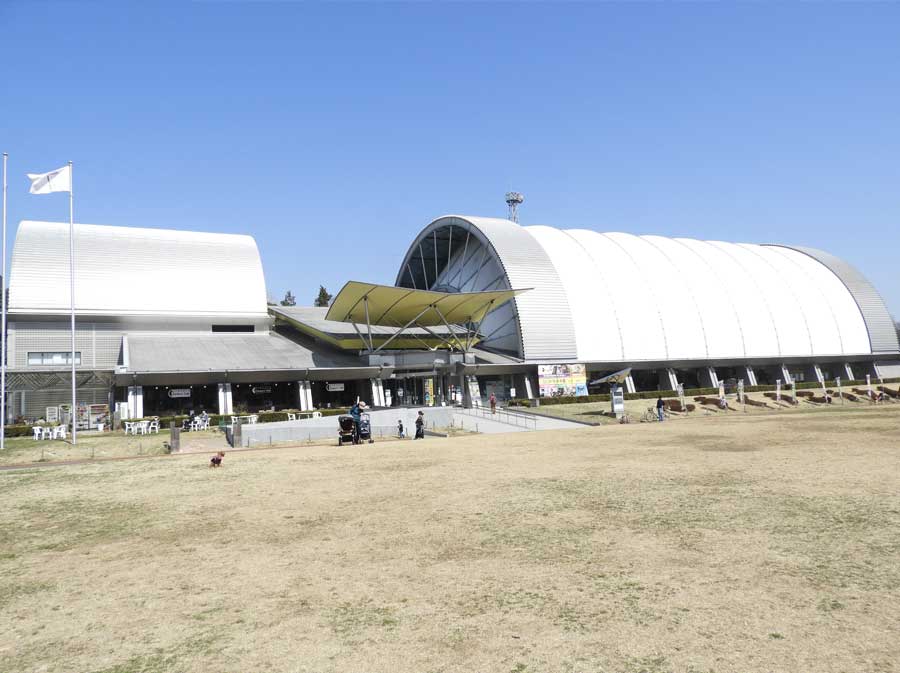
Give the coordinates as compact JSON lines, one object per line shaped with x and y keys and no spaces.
{"x":216,"y":460}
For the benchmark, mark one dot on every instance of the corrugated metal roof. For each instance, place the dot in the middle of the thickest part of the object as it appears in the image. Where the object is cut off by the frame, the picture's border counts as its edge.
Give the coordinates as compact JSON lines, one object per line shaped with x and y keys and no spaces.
{"x":226,"y":352}
{"x":879,"y":323}
{"x":135,"y":271}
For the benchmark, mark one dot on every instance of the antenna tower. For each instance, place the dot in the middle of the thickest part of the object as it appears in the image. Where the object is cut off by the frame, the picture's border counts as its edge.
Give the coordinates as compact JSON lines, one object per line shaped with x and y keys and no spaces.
{"x":513,"y":199}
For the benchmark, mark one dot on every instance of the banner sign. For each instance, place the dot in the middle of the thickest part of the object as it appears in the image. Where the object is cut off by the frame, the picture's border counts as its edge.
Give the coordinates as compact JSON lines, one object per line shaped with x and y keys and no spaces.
{"x":179,"y":392}
{"x":778,"y":390}
{"x":339,"y":388}
{"x":429,"y":392}
{"x":869,"y":385}
{"x":740,"y":390}
{"x":617,"y":396}
{"x":562,"y":380}
{"x":837,"y":382}
{"x":261,"y":390}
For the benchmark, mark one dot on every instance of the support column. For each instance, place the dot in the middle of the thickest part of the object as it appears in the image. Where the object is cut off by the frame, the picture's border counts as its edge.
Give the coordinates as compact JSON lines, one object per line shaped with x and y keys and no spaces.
{"x":529,"y":392}
{"x":848,"y":371}
{"x":225,"y":405}
{"x":708,"y":377}
{"x":785,"y":375}
{"x":668,"y":380}
{"x":304,"y":396}
{"x":629,"y":385}
{"x":750,"y":376}
{"x":135,"y":402}
{"x":377,"y":392}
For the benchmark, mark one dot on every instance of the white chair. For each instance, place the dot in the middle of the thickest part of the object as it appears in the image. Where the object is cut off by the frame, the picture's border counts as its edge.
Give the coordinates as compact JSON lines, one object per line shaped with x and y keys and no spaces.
{"x":38,"y":432}
{"x":154,"y":426}
{"x":317,"y":414}
{"x":61,"y":431}
{"x":253,"y":419}
{"x":292,"y":417}
{"x":144,"y":427}
{"x":129,"y":427}
{"x":47,"y":433}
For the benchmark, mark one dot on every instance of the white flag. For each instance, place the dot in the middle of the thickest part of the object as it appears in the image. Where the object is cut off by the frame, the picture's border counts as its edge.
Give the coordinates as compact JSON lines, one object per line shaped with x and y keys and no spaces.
{"x":59,"y":180}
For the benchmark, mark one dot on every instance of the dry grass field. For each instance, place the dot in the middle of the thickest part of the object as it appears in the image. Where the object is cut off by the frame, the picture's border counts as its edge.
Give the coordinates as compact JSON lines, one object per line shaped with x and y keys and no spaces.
{"x":721,"y":543}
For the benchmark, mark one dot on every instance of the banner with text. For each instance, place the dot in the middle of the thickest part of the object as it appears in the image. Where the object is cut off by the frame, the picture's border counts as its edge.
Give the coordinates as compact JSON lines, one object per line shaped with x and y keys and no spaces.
{"x":562,"y":380}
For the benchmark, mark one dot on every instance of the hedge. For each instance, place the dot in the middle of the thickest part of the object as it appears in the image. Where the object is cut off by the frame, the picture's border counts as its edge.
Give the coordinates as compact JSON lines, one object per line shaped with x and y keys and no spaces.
{"x":217,"y":419}
{"x":691,"y":392}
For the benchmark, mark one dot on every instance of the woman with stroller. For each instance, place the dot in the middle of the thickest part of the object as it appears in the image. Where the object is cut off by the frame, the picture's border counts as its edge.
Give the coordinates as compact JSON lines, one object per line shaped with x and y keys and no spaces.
{"x":355,"y":413}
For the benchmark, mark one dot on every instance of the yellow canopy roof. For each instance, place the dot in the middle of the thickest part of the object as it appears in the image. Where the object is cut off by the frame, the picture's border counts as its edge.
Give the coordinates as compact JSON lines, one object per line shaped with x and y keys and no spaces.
{"x":396,"y":306}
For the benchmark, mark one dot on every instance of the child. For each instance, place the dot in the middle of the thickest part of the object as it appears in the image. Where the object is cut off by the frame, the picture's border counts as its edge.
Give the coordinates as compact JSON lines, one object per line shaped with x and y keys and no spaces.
{"x":400,"y":433}
{"x":216,"y":460}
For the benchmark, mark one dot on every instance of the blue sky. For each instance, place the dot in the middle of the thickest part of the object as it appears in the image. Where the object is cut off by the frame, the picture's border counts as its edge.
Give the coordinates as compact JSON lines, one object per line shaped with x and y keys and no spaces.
{"x":334,"y":132}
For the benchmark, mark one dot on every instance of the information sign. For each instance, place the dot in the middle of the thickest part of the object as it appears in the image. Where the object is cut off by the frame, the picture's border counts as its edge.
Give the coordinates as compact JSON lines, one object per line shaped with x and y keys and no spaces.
{"x":562,"y":380}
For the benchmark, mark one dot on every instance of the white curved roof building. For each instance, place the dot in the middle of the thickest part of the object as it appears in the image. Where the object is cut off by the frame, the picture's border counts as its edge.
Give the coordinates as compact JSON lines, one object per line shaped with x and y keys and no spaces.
{"x":129,"y":271}
{"x":621,"y":298}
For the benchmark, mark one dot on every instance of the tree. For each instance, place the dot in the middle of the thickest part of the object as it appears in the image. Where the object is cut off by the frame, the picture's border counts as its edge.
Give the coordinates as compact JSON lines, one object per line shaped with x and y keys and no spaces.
{"x":324,"y":298}
{"x":289,"y":299}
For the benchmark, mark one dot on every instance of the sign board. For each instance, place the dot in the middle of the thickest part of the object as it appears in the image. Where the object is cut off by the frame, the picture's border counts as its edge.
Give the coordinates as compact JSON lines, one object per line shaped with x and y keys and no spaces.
{"x":837,"y":382}
{"x":740,"y":390}
{"x":339,"y":388}
{"x":179,"y":392}
{"x":778,"y":390}
{"x":562,"y":380}
{"x":617,"y":397}
{"x":261,"y":390}
{"x":52,"y":415}
{"x":722,"y":402}
{"x":869,"y":385}
{"x":474,"y":391}
{"x":429,"y":392}
{"x":680,"y":390}
{"x":512,"y":393}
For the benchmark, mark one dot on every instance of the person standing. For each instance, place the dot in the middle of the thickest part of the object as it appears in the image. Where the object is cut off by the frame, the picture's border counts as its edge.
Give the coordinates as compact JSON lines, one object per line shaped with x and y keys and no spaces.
{"x":420,"y":425}
{"x":355,"y":413}
{"x":661,"y":409}
{"x":493,"y":403}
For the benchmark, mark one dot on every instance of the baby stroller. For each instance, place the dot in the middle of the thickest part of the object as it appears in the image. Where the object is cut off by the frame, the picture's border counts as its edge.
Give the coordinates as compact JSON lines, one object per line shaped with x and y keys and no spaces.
{"x":346,"y":430}
{"x":365,"y":428}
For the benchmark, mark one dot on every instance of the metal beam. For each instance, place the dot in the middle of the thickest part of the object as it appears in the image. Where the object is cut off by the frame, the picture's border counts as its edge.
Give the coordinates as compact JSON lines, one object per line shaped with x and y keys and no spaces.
{"x":449,"y":329}
{"x":424,"y":271}
{"x":403,"y":329}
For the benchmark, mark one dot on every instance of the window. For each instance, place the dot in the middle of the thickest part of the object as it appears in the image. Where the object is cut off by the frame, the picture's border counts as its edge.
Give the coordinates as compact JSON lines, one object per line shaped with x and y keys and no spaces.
{"x":233,"y":328}
{"x":58,"y":358}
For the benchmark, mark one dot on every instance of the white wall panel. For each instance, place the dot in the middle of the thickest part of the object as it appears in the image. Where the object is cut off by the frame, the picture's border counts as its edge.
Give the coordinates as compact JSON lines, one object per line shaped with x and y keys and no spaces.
{"x":854,"y":335}
{"x":793,"y":336}
{"x":720,"y":319}
{"x":758,"y":329}
{"x":685,"y":337}
{"x":639,"y":314}
{"x":820,"y":320}
{"x":597,"y":332}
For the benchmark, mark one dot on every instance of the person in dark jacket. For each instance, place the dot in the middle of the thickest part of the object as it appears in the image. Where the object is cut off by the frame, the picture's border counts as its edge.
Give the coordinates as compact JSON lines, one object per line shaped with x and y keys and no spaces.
{"x":420,"y":425}
{"x":355,"y":413}
{"x":661,"y":409}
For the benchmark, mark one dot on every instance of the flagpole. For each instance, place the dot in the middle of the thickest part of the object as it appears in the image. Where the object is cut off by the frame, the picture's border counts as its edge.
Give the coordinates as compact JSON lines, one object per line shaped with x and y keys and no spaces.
{"x":3,"y":328}
{"x":72,"y":291}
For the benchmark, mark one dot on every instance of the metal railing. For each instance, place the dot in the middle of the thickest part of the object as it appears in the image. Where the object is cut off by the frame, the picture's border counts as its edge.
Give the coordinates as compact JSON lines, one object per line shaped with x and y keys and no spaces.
{"x":501,"y":416}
